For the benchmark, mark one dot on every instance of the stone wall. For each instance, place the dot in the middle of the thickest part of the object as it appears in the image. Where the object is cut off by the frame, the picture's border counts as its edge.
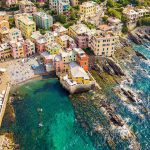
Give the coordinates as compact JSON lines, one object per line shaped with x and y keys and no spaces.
{"x":77,"y":88}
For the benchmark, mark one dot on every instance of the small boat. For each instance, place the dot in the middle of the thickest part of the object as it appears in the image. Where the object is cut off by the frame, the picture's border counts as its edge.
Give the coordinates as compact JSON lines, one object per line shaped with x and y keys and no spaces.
{"x":39,"y":109}
{"x":40,"y":125}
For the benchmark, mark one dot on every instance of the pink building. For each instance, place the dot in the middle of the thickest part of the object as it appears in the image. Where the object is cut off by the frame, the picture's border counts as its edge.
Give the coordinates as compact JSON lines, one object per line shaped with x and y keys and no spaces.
{"x":82,"y":41}
{"x":29,"y":48}
{"x":60,"y":65}
{"x":40,"y":44}
{"x":17,"y":49}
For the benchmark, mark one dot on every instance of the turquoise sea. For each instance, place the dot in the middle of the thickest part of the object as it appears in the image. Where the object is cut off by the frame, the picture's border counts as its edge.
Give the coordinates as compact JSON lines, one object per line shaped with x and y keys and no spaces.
{"x":45,"y":119}
{"x":55,"y":127}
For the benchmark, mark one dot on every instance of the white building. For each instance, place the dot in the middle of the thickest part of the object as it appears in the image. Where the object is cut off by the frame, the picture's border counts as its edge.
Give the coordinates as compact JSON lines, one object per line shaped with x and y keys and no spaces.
{"x":60,"y":6}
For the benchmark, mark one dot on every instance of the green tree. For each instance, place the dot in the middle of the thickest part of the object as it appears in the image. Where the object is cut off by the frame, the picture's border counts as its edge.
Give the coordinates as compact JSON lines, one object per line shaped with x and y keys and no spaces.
{"x":114,"y":13}
{"x":62,"y":18}
{"x":124,"y":29}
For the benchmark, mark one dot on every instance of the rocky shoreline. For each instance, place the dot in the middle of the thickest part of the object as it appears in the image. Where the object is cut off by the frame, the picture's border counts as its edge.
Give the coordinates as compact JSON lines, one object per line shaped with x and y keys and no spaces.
{"x":99,"y":116}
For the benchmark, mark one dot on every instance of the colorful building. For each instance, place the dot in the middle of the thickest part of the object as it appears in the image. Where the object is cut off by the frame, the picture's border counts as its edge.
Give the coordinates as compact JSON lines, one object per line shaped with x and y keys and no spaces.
{"x":82,"y":58}
{"x":74,"y":2}
{"x":58,"y":29}
{"x":14,"y":35}
{"x":53,"y":48}
{"x":16,"y":16}
{"x":3,"y":16}
{"x":9,"y":3}
{"x":27,"y":26}
{"x":26,"y":6}
{"x":5,"y":51}
{"x":49,"y":37}
{"x":17,"y":49}
{"x":60,"y":6}
{"x":43,"y":20}
{"x":81,"y":33}
{"x":103,"y":44}
{"x":66,"y":41}
{"x":88,"y":9}
{"x":78,"y":74}
{"x":29,"y":48}
{"x":4,"y":29}
{"x":40,"y":44}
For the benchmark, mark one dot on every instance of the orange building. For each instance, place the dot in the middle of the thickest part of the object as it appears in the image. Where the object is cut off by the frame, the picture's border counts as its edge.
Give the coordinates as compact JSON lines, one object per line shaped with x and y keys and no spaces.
{"x":82,"y":58}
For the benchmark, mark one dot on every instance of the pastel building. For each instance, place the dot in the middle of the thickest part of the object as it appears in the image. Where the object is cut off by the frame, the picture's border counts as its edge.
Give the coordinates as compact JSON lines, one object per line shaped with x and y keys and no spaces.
{"x":61,"y":61}
{"x":78,"y":74}
{"x":59,"y":29}
{"x":43,"y":20}
{"x":27,"y":26}
{"x":35,"y":36}
{"x":88,"y":9}
{"x":9,"y":3}
{"x":26,"y":6}
{"x":3,"y":16}
{"x":14,"y":35}
{"x":66,"y":41}
{"x":5,"y":51}
{"x":40,"y":44}
{"x":81,"y":33}
{"x":74,"y":2}
{"x":103,"y":44}
{"x":26,"y":15}
{"x":60,"y":6}
{"x":29,"y":48}
{"x":17,"y":49}
{"x":53,"y":48}
{"x":49,"y":37}
{"x":133,"y":13}
{"x":4,"y":29}
{"x":82,"y":58}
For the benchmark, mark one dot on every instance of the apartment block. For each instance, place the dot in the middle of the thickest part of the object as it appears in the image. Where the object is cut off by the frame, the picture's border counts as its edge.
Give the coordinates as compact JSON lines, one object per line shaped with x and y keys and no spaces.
{"x":82,"y":58}
{"x":103,"y":44}
{"x":60,"y":6}
{"x":27,"y":26}
{"x":29,"y":48}
{"x":81,"y":34}
{"x":26,"y":6}
{"x":88,"y":9}
{"x":43,"y":20}
{"x":66,"y":41}
{"x":17,"y":49}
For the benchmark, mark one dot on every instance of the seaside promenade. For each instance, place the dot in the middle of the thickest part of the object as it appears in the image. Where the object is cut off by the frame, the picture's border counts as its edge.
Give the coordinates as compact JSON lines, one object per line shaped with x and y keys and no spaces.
{"x":2,"y":111}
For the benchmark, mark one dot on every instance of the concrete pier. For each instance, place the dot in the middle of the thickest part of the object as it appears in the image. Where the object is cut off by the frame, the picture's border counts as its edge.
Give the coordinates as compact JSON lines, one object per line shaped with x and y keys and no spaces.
{"x":2,"y":112}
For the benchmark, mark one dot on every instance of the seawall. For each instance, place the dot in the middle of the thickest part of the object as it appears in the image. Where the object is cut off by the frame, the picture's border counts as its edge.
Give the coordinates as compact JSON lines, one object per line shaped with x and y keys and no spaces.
{"x":77,"y":88}
{"x":2,"y":112}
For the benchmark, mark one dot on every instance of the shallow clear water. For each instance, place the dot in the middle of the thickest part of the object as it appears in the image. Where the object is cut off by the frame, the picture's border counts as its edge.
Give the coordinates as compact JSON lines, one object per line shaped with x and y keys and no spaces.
{"x":60,"y":131}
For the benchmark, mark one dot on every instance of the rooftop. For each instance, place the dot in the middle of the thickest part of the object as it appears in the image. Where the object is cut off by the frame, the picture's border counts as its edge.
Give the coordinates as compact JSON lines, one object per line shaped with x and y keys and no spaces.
{"x":88,"y":4}
{"x":78,"y":71}
{"x":80,"y":28}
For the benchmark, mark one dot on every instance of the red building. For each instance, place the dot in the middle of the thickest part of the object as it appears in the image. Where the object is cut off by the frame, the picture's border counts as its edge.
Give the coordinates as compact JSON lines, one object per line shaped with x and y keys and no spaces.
{"x":82,"y":59}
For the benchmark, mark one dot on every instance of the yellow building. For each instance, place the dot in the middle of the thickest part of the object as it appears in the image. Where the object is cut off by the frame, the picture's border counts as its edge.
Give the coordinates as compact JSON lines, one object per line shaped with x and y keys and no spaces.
{"x":3,"y":16}
{"x":27,"y":26}
{"x":88,"y":9}
{"x":4,"y":29}
{"x":78,"y":74}
{"x":53,"y":48}
{"x":16,"y":16}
